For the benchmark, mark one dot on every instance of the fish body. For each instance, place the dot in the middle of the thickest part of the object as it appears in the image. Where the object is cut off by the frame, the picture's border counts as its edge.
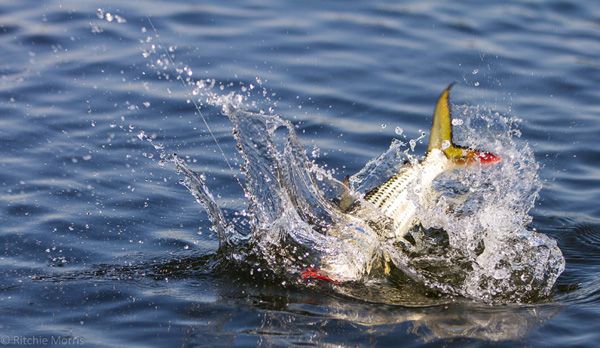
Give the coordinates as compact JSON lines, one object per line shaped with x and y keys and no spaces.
{"x":392,"y":197}
{"x":398,"y":198}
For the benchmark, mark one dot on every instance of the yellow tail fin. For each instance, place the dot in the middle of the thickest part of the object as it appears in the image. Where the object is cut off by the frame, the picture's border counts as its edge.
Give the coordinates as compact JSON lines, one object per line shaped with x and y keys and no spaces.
{"x":441,"y":128}
{"x":441,"y":136}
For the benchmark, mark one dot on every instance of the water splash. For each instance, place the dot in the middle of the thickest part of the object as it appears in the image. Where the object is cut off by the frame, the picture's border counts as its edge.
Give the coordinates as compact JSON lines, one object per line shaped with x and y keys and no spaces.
{"x":472,"y":241}
{"x":295,"y":225}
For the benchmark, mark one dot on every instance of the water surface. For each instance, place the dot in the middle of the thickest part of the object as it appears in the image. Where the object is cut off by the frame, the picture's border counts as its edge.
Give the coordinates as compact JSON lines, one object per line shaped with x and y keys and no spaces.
{"x":104,"y":247}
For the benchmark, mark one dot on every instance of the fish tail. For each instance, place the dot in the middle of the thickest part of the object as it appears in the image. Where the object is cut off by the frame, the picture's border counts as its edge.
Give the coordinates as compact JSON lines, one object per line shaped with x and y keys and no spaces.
{"x":441,"y":136}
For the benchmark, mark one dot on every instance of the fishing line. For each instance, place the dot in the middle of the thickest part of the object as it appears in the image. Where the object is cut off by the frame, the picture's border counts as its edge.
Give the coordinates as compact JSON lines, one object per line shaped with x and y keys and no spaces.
{"x":194,"y":101}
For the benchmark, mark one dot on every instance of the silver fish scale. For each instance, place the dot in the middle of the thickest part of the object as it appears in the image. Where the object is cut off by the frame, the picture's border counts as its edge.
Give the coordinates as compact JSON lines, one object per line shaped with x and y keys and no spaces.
{"x":392,"y":197}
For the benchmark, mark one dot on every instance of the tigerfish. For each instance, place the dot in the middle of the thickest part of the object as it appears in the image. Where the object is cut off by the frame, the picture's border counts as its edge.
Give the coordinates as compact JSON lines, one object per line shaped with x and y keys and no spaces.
{"x":393,"y":199}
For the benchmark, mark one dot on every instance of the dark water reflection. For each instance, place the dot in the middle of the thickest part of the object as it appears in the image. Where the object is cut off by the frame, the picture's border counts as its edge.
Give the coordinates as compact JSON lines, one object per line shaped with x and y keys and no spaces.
{"x":233,"y":308}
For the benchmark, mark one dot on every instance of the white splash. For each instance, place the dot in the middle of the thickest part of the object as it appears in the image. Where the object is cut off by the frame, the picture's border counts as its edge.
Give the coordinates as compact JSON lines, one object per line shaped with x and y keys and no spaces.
{"x":473,"y":241}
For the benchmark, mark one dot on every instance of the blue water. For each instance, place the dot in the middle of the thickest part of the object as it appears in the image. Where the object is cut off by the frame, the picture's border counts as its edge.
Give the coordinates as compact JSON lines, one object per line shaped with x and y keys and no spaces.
{"x":101,"y":245}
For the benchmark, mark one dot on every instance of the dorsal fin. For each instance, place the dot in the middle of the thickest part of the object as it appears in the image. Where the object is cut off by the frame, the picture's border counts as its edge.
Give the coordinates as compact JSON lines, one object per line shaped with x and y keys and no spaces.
{"x":347,"y":199}
{"x":346,"y":181}
{"x":441,"y":128}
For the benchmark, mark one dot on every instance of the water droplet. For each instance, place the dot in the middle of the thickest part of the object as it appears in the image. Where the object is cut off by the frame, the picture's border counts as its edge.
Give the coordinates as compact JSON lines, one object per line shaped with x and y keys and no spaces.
{"x":446,"y":144}
{"x":383,"y":125}
{"x":399,"y":130}
{"x":95,"y":29}
{"x":457,"y":122}
{"x":412,"y":144}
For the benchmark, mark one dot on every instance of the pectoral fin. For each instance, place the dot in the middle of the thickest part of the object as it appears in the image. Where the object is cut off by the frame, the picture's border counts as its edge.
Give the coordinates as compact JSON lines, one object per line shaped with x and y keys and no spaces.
{"x":441,"y":136}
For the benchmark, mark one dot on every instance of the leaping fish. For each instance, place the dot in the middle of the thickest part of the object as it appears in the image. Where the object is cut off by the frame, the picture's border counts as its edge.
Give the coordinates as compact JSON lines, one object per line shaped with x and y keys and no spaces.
{"x":392,"y":197}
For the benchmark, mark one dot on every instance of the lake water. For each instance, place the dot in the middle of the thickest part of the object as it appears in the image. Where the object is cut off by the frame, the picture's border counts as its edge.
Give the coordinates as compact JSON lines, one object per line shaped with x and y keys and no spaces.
{"x":102,"y":246}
